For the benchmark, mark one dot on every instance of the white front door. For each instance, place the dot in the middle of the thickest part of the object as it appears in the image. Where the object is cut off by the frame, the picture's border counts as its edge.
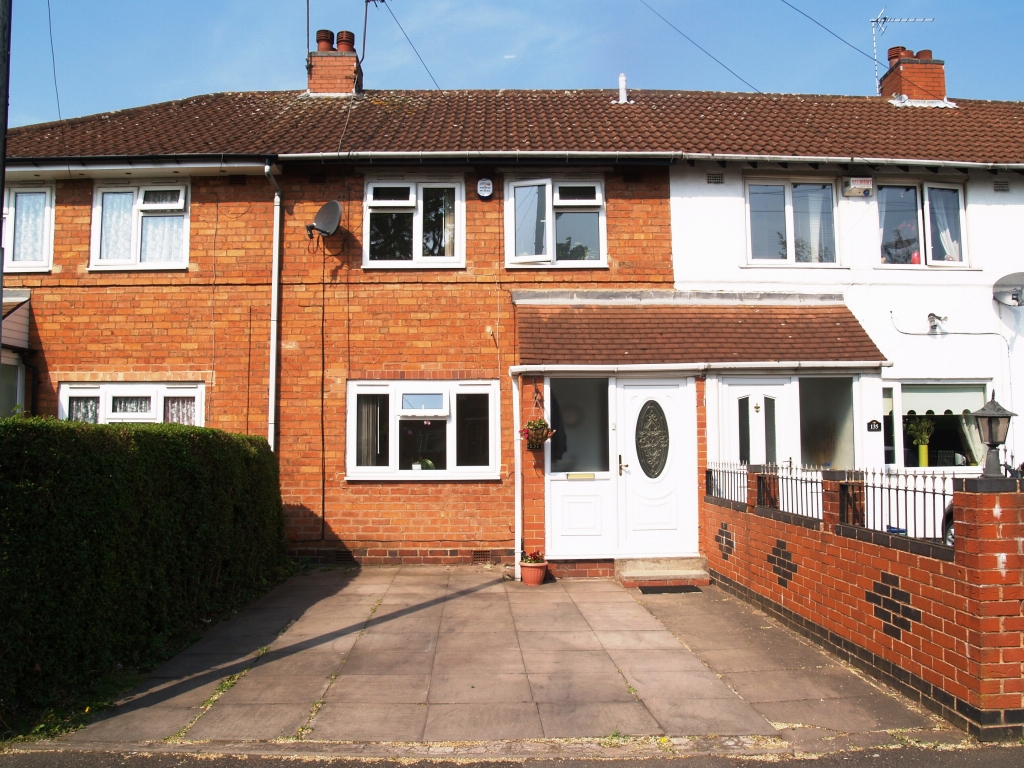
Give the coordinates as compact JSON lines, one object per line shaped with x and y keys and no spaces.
{"x":761,"y":421}
{"x":622,"y":478}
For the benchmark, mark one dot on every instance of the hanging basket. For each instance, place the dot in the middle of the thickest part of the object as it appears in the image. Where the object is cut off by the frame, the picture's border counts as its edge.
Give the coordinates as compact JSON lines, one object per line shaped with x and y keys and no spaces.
{"x":536,"y":437}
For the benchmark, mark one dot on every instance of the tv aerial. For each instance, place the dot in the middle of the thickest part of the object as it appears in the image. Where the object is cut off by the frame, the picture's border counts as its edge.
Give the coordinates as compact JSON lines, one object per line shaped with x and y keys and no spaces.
{"x":326,"y":221}
{"x":879,"y":23}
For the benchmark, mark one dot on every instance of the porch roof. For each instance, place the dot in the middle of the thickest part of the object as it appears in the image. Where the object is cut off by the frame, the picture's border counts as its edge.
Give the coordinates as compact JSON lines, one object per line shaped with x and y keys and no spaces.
{"x":645,"y":335}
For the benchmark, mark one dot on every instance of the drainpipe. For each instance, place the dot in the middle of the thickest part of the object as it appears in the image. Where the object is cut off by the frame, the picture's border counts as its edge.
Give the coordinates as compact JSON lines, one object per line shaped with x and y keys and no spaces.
{"x":275,"y":302}
{"x":518,"y":451}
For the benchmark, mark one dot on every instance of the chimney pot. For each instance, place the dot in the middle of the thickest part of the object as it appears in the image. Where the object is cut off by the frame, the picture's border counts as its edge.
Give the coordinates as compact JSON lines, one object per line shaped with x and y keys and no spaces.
{"x":924,"y":54}
{"x":324,"y":40}
{"x":906,"y":53}
{"x":894,"y":53}
{"x":346,"y":41}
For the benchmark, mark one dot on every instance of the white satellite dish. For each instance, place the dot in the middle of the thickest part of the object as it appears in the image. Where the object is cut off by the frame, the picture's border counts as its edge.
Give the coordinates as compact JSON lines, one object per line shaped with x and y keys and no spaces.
{"x":1009,"y":290}
{"x":327,"y":219}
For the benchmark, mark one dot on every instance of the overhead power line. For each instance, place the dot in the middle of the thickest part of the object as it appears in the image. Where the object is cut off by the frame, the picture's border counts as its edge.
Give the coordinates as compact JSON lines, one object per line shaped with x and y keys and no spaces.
{"x":386,"y":5}
{"x":700,"y":48}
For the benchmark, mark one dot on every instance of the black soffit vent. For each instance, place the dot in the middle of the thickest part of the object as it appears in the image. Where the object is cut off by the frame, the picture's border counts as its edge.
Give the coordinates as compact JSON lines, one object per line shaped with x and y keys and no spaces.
{"x":674,"y":590}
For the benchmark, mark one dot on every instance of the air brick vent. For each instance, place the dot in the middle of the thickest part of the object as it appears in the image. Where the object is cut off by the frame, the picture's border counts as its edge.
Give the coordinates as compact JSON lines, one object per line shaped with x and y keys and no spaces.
{"x":716,"y":178}
{"x":1000,"y":185}
{"x":481,"y":556}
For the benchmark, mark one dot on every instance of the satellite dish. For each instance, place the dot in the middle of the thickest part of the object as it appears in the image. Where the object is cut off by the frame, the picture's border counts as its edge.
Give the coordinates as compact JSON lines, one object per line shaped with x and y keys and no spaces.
{"x":327,"y":219}
{"x":1009,"y":290}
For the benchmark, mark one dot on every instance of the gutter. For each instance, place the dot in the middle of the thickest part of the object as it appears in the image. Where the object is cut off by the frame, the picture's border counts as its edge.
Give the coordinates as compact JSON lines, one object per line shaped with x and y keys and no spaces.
{"x":549,"y":156}
{"x":275,"y":302}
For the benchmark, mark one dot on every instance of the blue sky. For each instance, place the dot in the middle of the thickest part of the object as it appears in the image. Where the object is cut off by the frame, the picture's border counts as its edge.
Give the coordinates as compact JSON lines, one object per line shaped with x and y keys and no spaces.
{"x":113,"y":54}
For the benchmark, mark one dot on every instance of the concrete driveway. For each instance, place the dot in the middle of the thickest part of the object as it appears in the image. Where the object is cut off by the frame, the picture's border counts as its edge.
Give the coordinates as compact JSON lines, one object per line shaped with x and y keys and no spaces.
{"x":437,"y":654}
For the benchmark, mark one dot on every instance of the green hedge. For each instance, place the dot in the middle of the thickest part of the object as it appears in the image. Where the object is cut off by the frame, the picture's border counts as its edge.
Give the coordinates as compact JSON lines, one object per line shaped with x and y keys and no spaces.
{"x":118,"y":541}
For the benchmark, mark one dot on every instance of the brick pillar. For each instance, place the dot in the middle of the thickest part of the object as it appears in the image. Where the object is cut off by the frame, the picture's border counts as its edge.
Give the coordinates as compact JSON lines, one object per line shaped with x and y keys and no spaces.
{"x":989,"y":545}
{"x":831,"y":479}
{"x":753,"y":472}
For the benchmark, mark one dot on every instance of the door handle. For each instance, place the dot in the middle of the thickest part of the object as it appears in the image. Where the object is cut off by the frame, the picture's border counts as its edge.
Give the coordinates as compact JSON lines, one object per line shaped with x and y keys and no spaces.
{"x":621,"y":465}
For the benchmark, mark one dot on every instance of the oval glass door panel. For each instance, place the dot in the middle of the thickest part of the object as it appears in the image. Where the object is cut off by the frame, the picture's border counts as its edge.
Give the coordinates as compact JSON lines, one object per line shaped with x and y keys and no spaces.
{"x":652,"y":439}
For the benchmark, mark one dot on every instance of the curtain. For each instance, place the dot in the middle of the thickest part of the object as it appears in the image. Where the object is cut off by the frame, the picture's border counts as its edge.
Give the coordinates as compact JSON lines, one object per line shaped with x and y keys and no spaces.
{"x":85,"y":409}
{"x":130,"y":405}
{"x":768,"y":222}
{"x":116,"y":226}
{"x":162,"y":238}
{"x":180,"y":410}
{"x":29,"y":226}
{"x":976,"y":448}
{"x":944,"y":205}
{"x":812,"y":219}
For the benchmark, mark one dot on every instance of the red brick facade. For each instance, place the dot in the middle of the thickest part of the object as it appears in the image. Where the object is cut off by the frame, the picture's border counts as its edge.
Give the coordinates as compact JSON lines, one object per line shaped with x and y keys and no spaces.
{"x":339,"y":322}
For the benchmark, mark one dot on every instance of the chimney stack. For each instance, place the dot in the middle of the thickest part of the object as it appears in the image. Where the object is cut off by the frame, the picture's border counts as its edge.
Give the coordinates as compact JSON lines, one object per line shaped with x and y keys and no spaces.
{"x":919,"y":77}
{"x":334,"y":71}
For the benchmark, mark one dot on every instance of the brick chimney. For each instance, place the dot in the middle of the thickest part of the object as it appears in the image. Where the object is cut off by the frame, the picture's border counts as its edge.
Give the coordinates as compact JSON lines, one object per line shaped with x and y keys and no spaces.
{"x":334,"y":71}
{"x":917,"y":77}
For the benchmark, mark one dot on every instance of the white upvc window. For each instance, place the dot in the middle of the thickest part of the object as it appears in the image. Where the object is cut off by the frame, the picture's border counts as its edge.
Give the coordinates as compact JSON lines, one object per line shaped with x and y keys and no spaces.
{"x":922,"y":225}
{"x":140,"y":227}
{"x":791,"y":221}
{"x":555,"y":222}
{"x":28,"y":228}
{"x":423,"y":430}
{"x":133,"y":402}
{"x":414,"y":223}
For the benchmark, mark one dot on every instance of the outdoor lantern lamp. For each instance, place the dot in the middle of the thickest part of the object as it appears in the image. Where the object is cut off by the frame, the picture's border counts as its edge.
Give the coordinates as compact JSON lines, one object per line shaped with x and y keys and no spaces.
{"x":993,"y":423}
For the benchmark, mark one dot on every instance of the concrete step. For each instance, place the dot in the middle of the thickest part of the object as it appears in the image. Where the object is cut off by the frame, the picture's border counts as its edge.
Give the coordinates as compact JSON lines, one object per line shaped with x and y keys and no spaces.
{"x":662,"y":572}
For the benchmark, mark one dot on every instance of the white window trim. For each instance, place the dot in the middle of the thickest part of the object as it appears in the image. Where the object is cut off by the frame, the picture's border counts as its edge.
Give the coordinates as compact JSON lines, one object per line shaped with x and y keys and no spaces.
{"x":790,"y":260}
{"x":897,"y":409}
{"x":551,"y":184}
{"x":138,"y":210}
{"x":394,"y":390}
{"x":924,"y":225}
{"x":417,"y":183}
{"x":45,"y":264}
{"x":156,"y":391}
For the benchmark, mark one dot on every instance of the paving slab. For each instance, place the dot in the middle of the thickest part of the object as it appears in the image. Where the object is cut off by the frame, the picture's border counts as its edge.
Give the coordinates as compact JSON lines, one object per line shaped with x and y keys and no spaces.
{"x":370,"y":721}
{"x":379,"y":689}
{"x":695,"y":717}
{"x":466,"y":688}
{"x":135,"y":725}
{"x":471,"y":722}
{"x":596,"y":719}
{"x":249,"y":722}
{"x":255,"y":688}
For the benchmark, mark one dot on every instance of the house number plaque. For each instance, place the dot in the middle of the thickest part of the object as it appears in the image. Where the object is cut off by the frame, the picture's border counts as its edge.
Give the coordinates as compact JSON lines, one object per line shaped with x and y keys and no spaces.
{"x":874,"y":426}
{"x":652,"y":439}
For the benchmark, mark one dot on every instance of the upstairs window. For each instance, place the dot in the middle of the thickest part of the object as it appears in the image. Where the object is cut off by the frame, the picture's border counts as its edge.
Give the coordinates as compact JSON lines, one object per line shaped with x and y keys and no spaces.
{"x":28,"y":229}
{"x":144,"y":227}
{"x":791,"y":222}
{"x":414,"y":224}
{"x":553,"y":222}
{"x":912,"y":233}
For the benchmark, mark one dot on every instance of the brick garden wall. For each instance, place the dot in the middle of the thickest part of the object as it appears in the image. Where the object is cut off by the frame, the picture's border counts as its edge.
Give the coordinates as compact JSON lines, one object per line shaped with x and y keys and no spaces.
{"x":338,"y":322}
{"x":944,"y":627}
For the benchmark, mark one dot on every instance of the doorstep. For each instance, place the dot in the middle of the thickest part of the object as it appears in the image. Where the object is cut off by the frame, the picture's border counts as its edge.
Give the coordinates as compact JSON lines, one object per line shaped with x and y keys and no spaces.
{"x":662,"y":572}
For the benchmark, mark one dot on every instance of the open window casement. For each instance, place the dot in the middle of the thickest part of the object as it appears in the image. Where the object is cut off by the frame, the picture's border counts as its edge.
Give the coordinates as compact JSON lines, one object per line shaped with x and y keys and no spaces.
{"x":422,"y":403}
{"x":528,"y":216}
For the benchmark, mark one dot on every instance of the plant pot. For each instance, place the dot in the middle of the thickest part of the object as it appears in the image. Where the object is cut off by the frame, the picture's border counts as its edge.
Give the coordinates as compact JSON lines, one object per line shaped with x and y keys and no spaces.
{"x":922,"y":455}
{"x":536,"y":438}
{"x":533,"y":573}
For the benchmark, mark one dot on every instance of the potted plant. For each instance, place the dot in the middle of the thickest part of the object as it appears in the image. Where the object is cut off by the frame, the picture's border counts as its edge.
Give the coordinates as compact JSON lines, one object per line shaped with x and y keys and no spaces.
{"x":921,"y":429}
{"x":536,"y":432}
{"x":533,"y":568}
{"x":421,"y":464}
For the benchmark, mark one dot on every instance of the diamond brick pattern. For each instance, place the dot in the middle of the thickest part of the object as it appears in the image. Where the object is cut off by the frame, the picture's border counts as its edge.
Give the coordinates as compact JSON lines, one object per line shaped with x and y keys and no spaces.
{"x":278,"y":122}
{"x":781,"y":561}
{"x":612,"y":335}
{"x":892,"y":606}
{"x":726,"y":542}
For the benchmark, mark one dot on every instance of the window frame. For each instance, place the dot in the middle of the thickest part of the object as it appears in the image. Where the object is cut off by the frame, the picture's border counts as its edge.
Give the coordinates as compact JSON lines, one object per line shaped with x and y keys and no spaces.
{"x":9,"y":213}
{"x":394,"y":390}
{"x":417,"y":183}
{"x":552,"y":184}
{"x":140,"y":210}
{"x":924,"y":223}
{"x":787,"y":183}
{"x":899,"y":446}
{"x":107,"y":391}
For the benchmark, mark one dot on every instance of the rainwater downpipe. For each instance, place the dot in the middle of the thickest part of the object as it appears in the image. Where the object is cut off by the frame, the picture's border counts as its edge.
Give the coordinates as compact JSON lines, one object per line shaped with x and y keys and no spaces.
{"x":518,"y":452}
{"x":275,"y":302}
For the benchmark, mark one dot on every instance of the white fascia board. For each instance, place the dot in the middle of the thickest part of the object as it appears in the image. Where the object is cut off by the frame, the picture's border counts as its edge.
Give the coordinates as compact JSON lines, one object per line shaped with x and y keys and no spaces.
{"x":46,"y":171}
{"x":551,"y":156}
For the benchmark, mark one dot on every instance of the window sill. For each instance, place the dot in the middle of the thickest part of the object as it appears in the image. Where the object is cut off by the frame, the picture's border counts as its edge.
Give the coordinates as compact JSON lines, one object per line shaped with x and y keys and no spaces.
{"x":422,"y":476}
{"x":558,"y":265}
{"x":791,"y":265}
{"x":413,"y":265}
{"x":25,"y":270}
{"x":927,"y":268}
{"x":148,"y":267}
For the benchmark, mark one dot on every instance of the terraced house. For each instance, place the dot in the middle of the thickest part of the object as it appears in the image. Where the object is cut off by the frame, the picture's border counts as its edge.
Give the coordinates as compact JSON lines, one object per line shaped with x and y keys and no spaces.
{"x":670,"y":278}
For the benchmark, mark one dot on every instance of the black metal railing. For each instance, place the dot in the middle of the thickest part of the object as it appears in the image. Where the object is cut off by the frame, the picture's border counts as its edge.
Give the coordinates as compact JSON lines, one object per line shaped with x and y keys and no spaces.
{"x":911,"y":504}
{"x":796,"y":490}
{"x":726,"y":481}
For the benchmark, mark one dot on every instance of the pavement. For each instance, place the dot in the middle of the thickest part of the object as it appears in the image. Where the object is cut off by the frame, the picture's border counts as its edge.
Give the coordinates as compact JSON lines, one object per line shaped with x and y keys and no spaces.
{"x":424,"y":661}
